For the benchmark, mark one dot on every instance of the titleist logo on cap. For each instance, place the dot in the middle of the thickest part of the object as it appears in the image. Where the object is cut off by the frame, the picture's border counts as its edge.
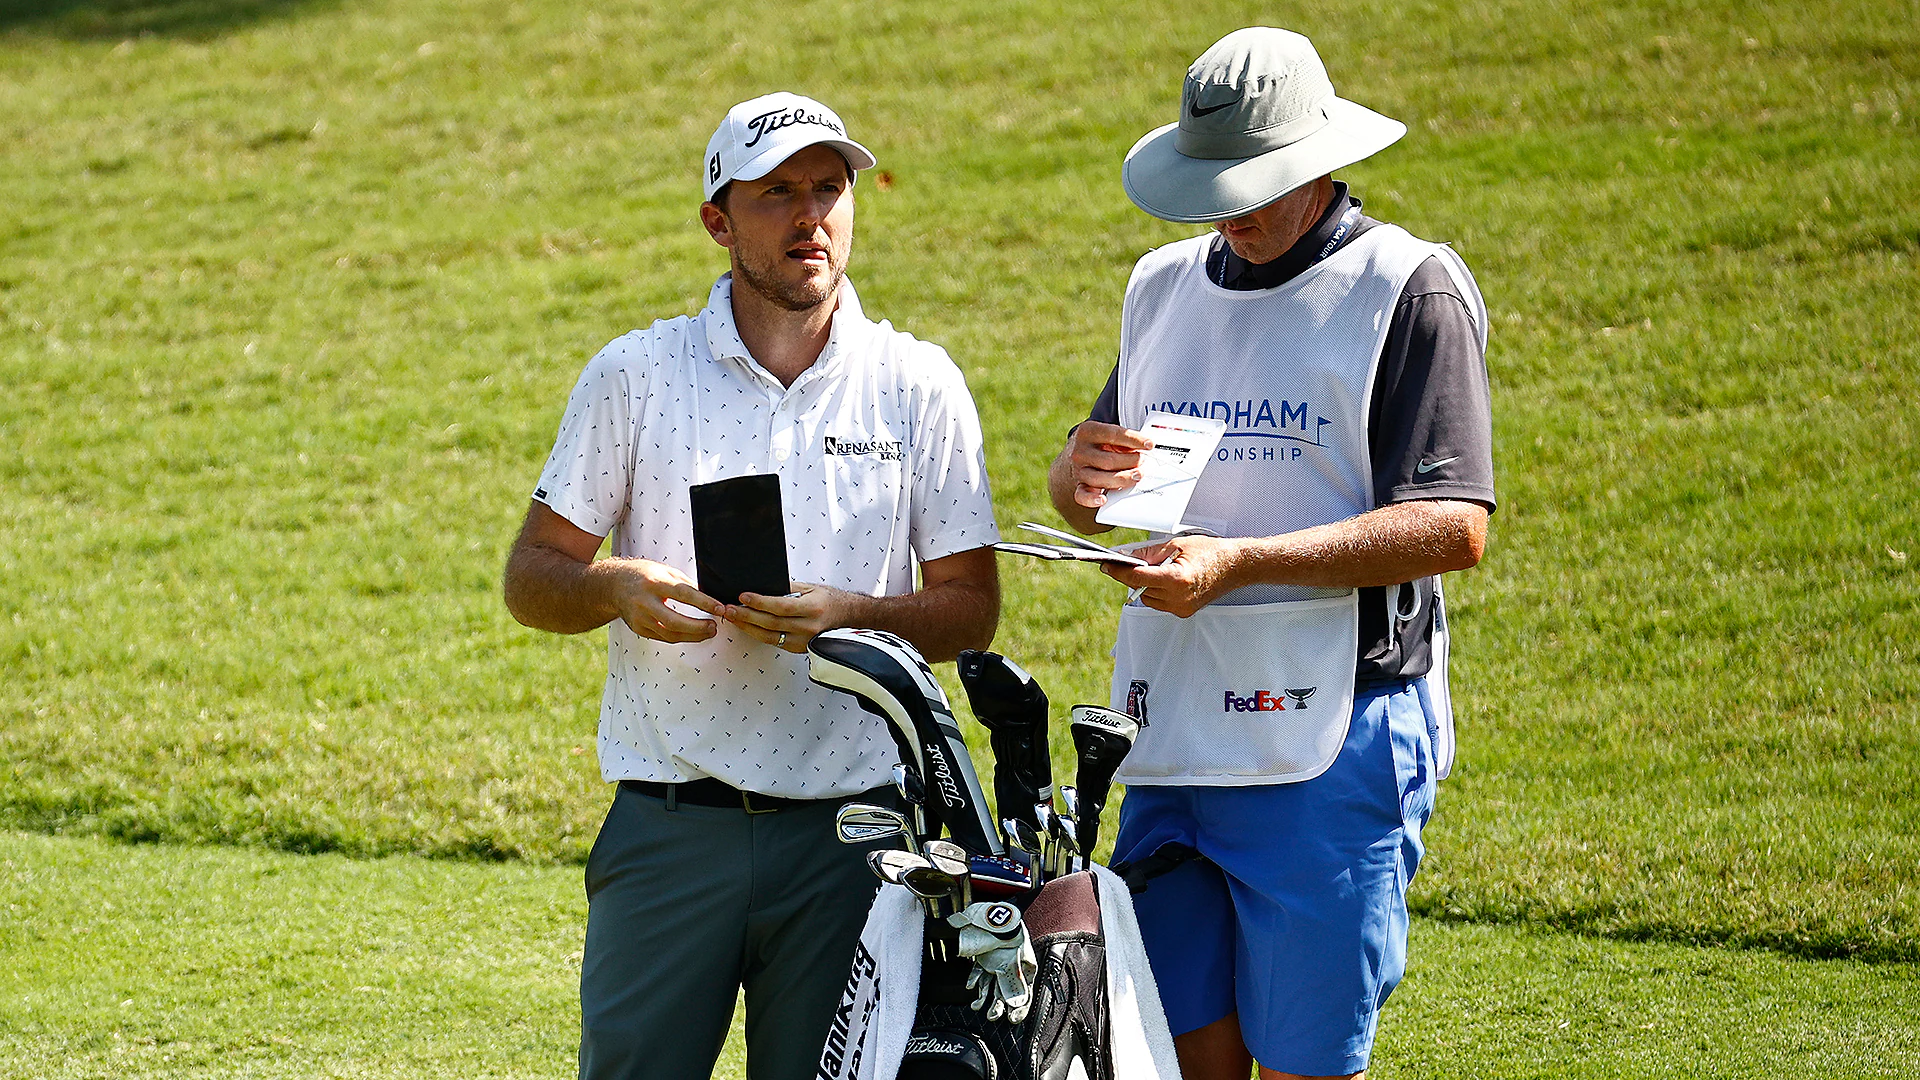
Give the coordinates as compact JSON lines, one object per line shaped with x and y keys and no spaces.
{"x":769,"y":122}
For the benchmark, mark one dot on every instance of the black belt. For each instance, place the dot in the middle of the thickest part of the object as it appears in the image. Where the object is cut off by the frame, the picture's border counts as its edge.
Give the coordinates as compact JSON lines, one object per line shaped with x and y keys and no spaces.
{"x":708,"y":791}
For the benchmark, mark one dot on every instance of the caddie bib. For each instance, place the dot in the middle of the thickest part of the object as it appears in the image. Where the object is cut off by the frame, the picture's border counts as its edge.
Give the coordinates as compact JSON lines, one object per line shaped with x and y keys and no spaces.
{"x":1257,"y":687}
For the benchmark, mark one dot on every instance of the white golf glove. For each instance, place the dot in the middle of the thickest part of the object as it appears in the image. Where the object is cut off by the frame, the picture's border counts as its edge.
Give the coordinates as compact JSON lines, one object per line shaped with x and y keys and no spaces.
{"x":993,"y":936}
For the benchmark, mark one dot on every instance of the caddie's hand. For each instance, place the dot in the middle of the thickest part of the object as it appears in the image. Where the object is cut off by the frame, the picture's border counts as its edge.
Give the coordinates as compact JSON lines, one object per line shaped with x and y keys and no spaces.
{"x":641,"y":592}
{"x":789,"y":622}
{"x":1187,"y":573}
{"x":1104,"y":458}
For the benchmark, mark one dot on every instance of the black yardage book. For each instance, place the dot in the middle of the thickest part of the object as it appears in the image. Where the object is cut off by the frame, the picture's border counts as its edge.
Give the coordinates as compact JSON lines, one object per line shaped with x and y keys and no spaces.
{"x":740,"y":538}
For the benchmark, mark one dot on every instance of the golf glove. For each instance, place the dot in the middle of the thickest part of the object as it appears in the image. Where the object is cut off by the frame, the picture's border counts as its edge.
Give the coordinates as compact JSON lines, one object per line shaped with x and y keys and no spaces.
{"x":993,"y":936}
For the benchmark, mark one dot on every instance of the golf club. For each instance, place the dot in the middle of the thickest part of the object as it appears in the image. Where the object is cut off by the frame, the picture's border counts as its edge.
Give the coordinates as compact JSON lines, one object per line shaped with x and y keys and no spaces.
{"x":1023,"y":845}
{"x":951,"y":859}
{"x":1048,"y":849}
{"x":888,"y":864}
{"x":896,"y":867}
{"x":913,"y":793}
{"x":1013,"y":708}
{"x":890,"y":680}
{"x":1070,"y":810}
{"x":860,"y":823}
{"x":1101,"y":737}
{"x":1066,"y":843}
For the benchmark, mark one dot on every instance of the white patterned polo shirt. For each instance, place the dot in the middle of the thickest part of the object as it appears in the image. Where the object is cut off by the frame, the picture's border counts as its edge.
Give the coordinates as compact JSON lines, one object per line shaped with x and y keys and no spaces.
{"x":878,"y":450}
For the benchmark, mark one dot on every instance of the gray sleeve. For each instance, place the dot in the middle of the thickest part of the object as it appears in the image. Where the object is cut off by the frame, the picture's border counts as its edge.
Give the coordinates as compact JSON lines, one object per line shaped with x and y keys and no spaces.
{"x":1431,"y":423}
{"x":1106,"y":407}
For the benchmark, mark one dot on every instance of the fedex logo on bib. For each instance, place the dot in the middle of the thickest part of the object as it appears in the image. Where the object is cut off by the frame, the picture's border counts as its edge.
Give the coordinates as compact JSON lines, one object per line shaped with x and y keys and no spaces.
{"x":1267,"y":700}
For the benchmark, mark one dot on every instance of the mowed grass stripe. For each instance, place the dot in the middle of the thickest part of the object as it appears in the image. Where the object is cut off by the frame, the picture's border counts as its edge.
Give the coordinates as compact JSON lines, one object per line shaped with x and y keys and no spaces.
{"x":159,"y":961}
{"x":290,"y":299}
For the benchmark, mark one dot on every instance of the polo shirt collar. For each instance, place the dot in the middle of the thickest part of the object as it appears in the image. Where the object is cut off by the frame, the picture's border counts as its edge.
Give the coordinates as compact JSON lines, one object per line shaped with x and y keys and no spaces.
{"x":723,"y":336}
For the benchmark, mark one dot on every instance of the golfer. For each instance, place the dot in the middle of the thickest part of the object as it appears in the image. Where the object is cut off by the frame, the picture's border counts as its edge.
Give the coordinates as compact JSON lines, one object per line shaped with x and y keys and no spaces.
{"x":1287,"y":658}
{"x":717,"y":867}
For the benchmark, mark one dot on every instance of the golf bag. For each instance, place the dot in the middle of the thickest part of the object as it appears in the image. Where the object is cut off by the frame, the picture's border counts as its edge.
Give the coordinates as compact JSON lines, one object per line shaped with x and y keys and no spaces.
{"x":985,"y":956}
{"x":1095,"y":1012}
{"x":1066,"y":1022}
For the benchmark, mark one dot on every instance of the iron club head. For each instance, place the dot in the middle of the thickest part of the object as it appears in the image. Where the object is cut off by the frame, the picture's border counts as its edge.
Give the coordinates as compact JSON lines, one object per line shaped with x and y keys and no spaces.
{"x":860,"y":823}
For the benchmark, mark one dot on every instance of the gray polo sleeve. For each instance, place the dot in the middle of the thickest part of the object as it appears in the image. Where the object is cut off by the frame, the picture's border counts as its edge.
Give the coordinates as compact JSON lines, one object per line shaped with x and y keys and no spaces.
{"x":1106,"y":407}
{"x":1430,"y":427}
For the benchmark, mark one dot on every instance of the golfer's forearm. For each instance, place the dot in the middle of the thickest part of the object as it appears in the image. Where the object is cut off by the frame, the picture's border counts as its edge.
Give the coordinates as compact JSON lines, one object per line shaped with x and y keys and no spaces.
{"x":1061,"y":486}
{"x":1395,"y":543}
{"x":940,"y":620}
{"x":550,"y":590}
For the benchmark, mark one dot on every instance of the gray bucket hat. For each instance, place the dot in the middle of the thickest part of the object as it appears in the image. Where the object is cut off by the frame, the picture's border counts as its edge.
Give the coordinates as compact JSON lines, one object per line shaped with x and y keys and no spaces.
{"x":1258,"y":118}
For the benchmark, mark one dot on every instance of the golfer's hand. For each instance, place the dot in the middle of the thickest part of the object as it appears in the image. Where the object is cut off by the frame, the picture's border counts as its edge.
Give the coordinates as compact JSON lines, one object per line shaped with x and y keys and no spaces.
{"x":641,"y":589}
{"x":789,"y":622}
{"x":1103,"y":458}
{"x":1187,"y":573}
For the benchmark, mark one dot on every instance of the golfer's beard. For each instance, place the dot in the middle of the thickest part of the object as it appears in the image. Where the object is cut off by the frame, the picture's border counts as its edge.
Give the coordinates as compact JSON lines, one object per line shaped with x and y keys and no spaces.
{"x":794,"y":296}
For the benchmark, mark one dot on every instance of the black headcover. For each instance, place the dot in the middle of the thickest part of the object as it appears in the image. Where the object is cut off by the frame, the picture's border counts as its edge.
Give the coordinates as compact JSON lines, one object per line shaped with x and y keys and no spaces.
{"x":1010,"y":704}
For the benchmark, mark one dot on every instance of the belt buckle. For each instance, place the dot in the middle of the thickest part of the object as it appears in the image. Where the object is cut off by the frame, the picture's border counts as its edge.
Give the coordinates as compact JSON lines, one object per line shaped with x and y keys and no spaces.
{"x":746,"y":803}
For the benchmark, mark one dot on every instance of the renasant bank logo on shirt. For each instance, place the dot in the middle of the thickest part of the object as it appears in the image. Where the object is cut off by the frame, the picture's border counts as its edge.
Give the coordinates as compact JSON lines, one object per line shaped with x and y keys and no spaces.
{"x":884,"y":449}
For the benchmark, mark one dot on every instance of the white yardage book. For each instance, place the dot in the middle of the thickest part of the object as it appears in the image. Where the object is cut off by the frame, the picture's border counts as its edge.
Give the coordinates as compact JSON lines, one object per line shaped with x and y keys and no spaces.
{"x":1076,"y":548}
{"x":1182,"y":446}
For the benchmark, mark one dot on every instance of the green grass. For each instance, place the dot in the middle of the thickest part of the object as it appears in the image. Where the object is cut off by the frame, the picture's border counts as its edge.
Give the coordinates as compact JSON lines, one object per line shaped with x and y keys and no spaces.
{"x":291,"y":296}
{"x":202,"y":962}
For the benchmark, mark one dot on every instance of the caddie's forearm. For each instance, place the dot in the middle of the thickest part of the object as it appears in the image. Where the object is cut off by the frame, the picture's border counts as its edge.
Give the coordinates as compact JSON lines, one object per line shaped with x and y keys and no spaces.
{"x":550,"y":590}
{"x":940,"y":620}
{"x":1061,"y":486}
{"x":1392,"y":544}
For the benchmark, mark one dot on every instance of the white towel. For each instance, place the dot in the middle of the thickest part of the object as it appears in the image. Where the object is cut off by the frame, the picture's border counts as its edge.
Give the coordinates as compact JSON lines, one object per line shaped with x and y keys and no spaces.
{"x":1142,"y":1043}
{"x":869,"y":1035}
{"x":870,"y":1028}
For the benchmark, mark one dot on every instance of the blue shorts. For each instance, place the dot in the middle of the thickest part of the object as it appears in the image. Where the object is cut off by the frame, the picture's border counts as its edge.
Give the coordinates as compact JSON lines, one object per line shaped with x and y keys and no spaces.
{"x":1297,"y":921}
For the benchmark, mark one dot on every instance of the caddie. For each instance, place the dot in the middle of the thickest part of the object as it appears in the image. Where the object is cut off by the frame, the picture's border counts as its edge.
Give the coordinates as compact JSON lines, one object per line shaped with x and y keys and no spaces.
{"x":1288,"y":670}
{"x":717,"y":868}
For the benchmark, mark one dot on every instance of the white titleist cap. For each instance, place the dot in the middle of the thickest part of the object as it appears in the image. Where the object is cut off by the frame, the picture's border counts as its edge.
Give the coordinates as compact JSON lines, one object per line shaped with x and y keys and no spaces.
{"x":758,"y":135}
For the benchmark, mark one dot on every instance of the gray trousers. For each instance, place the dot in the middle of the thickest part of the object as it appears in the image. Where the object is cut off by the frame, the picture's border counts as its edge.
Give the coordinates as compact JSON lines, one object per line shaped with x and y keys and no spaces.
{"x":686,"y":906}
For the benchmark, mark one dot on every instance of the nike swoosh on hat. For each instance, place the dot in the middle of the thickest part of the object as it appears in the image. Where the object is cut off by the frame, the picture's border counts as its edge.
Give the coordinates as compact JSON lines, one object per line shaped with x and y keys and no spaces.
{"x":1196,"y":111}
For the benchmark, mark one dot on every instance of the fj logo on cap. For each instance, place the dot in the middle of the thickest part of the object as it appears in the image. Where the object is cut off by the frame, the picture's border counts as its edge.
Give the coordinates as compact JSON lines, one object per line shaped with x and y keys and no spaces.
{"x":713,"y":169}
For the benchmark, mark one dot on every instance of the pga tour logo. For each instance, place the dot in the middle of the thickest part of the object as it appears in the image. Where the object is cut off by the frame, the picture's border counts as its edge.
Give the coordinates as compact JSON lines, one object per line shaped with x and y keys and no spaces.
{"x":1137,"y":701}
{"x":1267,"y":700}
